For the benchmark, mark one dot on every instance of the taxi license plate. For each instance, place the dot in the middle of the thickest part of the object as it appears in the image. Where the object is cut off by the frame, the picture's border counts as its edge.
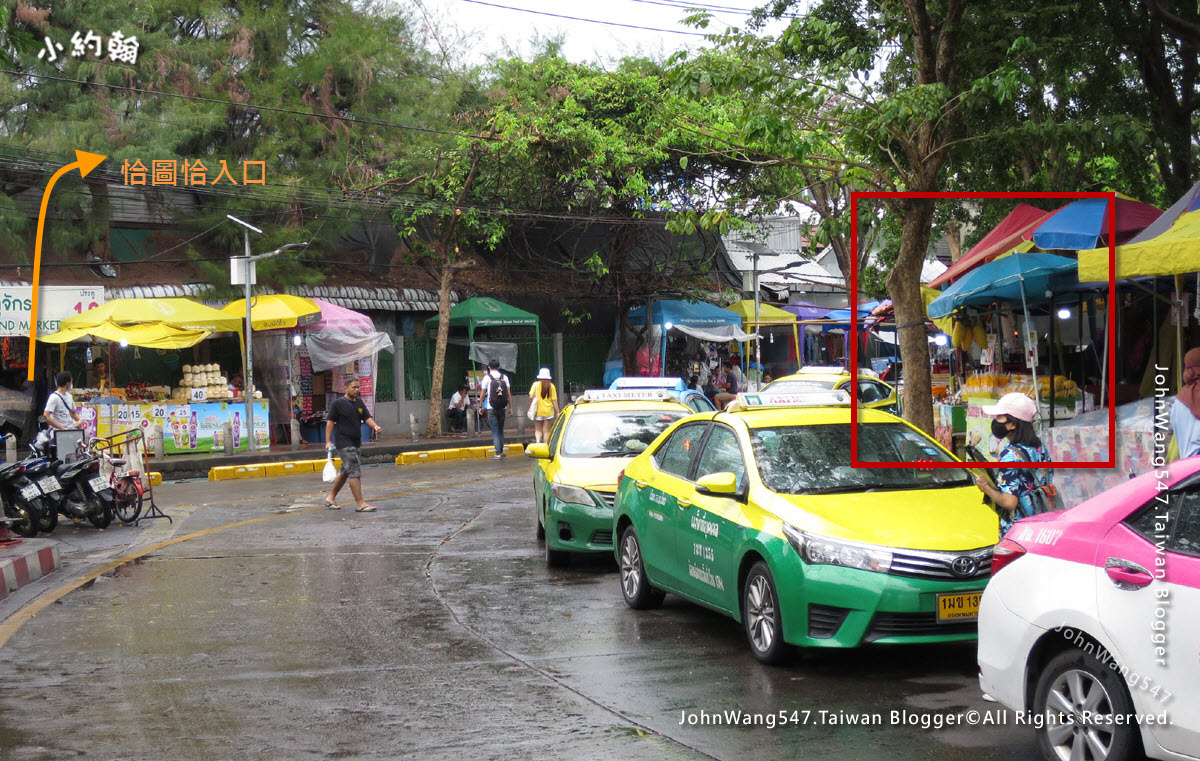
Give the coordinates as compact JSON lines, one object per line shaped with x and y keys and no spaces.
{"x":99,"y":483}
{"x":49,"y":484}
{"x":954,"y":608}
{"x":31,"y":491}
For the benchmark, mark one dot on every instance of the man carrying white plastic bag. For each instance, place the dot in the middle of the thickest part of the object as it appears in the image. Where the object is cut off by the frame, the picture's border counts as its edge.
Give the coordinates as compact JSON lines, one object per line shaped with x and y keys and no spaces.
{"x":345,"y":418}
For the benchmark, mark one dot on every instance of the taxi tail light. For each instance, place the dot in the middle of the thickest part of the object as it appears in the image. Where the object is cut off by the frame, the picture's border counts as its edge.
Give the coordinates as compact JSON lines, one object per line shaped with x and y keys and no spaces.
{"x":1005,"y":553}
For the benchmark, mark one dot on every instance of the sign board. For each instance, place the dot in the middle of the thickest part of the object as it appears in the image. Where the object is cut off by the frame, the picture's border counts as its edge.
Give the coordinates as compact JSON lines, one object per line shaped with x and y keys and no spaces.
{"x":55,"y":304}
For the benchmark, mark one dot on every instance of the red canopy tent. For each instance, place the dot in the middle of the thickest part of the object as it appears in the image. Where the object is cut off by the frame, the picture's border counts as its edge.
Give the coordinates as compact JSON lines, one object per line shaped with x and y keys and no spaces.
{"x":1007,"y":235}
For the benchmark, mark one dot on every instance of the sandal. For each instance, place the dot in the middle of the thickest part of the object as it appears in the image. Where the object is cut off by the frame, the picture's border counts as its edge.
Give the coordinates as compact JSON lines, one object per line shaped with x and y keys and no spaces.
{"x":332,"y":506}
{"x":365,"y":509}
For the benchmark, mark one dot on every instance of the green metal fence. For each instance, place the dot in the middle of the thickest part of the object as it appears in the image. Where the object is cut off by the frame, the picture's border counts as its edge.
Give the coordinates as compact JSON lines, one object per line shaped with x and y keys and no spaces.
{"x":385,"y":388}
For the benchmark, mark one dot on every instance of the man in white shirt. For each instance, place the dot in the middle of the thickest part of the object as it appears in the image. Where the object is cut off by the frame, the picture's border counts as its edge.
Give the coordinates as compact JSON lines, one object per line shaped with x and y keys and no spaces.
{"x":61,"y":413}
{"x":496,"y":408}
{"x":456,"y":411}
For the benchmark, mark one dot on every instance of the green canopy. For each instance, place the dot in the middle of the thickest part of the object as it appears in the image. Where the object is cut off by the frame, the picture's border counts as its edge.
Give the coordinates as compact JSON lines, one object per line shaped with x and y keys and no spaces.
{"x":481,"y":312}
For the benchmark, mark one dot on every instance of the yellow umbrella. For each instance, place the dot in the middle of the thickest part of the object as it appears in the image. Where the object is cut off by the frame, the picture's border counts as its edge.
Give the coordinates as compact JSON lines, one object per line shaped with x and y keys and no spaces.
{"x":767,"y":314}
{"x":182,"y":314}
{"x":1175,"y":252}
{"x":151,"y":336}
{"x":275,"y":311}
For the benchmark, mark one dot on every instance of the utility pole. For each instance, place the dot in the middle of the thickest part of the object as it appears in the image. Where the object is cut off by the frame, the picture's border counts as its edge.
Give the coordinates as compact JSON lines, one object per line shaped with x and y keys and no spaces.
{"x":248,"y":356}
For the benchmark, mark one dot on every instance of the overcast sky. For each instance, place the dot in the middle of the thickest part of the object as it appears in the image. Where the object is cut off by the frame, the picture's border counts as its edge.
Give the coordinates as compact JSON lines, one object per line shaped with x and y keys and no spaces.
{"x":662,"y":31}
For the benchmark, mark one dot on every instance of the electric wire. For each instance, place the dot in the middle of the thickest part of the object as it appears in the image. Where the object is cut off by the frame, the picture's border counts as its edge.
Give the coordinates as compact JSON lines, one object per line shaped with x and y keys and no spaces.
{"x":587,"y":20}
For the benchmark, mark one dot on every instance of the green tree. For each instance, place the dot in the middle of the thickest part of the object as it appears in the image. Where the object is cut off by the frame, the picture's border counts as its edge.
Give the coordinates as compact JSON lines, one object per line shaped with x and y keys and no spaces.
{"x":337,"y":73}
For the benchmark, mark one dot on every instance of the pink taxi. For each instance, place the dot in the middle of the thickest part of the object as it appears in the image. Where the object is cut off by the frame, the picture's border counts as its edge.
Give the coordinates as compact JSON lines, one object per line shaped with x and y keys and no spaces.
{"x":1090,"y":625}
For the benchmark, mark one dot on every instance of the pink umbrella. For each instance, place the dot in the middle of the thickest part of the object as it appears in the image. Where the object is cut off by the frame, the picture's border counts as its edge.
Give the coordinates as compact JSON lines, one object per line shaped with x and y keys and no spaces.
{"x":341,"y":318}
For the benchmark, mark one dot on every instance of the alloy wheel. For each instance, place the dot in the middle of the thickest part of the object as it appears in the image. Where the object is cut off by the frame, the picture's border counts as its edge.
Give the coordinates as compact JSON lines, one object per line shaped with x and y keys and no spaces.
{"x":760,"y":612}
{"x":631,"y":566}
{"x":1084,"y":717}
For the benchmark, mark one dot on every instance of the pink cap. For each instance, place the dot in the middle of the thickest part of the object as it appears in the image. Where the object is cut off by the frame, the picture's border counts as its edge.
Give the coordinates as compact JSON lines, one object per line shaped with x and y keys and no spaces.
{"x":1014,"y":405}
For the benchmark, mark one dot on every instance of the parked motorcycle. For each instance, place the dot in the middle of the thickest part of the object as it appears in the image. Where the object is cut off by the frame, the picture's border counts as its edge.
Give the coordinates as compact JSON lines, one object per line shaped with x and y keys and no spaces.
{"x":23,"y":498}
{"x":84,"y":493}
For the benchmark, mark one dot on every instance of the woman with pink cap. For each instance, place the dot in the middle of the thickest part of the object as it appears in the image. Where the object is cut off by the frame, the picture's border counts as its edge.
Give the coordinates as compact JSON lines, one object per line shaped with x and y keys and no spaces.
{"x":1012,"y":421}
{"x":1185,"y":412}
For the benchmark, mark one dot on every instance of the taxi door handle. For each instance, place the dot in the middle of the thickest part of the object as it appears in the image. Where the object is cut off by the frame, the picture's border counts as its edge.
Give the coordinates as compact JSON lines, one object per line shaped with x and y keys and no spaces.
{"x":684,"y":503}
{"x":641,"y":484}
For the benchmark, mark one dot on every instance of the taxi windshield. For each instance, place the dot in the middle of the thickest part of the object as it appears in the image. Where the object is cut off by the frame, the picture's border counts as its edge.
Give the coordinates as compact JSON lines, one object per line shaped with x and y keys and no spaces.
{"x":616,"y":433}
{"x":815,"y":459}
{"x":798,"y":386}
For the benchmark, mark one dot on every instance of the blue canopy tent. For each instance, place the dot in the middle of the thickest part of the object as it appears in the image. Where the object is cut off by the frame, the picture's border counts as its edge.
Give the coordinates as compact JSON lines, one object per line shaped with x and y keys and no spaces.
{"x":694,"y":318}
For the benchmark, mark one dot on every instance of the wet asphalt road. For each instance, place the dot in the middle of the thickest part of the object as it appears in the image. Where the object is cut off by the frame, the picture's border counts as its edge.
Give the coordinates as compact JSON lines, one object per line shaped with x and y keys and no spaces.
{"x":429,"y":630}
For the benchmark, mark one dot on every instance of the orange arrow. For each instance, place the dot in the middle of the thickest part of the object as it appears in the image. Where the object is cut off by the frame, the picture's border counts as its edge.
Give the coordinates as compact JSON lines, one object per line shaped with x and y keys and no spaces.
{"x":85,"y":162}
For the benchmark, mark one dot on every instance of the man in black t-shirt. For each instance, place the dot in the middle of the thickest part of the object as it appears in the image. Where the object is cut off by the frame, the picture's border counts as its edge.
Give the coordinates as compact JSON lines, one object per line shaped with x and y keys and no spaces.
{"x":343,"y":433}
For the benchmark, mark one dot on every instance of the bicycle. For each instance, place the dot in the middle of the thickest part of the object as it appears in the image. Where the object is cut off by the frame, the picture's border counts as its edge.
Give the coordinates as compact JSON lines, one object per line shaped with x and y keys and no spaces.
{"x":127,"y":486}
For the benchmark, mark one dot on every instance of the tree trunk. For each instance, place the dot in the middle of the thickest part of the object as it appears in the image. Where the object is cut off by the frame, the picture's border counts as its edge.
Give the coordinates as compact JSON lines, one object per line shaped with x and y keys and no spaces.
{"x":449,"y":255}
{"x":952,"y":239}
{"x":101,"y":219}
{"x":905,"y":291}
{"x":434,"y":428}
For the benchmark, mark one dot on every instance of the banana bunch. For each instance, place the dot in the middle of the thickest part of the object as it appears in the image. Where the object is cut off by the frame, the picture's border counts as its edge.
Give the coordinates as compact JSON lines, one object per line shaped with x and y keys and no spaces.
{"x":967,"y":331}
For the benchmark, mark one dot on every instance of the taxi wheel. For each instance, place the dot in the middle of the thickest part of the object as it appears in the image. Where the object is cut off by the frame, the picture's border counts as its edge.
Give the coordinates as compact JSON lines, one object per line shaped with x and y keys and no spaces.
{"x":762,"y":618}
{"x":1089,"y":711}
{"x":541,"y":527}
{"x":636,"y":588}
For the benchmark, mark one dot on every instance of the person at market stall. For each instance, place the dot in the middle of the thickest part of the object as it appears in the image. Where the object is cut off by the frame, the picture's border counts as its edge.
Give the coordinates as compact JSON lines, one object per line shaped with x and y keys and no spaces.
{"x":61,"y":412}
{"x":727,"y":386}
{"x":701,"y":368}
{"x":456,"y":411}
{"x":1012,"y":422}
{"x":543,"y":405}
{"x":343,"y":434}
{"x":98,"y":375}
{"x":1185,"y":411}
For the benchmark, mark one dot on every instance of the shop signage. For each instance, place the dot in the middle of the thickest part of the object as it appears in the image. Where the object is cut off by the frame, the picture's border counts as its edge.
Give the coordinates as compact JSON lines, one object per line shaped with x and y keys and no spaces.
{"x":56,"y":303}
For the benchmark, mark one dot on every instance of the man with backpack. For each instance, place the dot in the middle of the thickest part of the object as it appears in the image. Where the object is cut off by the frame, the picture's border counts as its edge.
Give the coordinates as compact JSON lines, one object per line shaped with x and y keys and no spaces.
{"x":496,"y":390}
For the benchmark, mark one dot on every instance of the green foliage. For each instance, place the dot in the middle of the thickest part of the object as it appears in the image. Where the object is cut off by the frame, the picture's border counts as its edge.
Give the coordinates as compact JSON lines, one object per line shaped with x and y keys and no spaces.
{"x":325,"y":57}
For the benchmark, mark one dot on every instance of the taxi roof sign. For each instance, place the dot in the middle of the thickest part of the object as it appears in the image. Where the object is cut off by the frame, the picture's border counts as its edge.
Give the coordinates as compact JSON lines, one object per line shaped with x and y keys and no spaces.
{"x":747,"y":401}
{"x":672,"y":383}
{"x":629,"y":395}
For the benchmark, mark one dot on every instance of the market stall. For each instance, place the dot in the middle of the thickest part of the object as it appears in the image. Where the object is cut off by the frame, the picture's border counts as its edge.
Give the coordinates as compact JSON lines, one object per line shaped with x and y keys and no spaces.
{"x":482,"y":312}
{"x":769,"y":321}
{"x":192,"y":407}
{"x":680,"y":320}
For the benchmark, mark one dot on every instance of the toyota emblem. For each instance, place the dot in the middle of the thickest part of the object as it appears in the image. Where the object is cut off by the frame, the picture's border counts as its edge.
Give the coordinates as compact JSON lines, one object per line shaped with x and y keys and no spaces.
{"x":964,"y":566}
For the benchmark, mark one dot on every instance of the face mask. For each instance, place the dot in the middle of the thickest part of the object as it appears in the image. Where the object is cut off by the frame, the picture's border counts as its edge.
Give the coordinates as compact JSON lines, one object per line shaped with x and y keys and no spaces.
{"x":999,"y":430}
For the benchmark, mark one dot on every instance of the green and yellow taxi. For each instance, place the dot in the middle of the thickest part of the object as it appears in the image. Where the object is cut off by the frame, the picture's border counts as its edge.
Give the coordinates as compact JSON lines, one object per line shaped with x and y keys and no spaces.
{"x":872,"y":392}
{"x":576,"y":479}
{"x":757,"y":513}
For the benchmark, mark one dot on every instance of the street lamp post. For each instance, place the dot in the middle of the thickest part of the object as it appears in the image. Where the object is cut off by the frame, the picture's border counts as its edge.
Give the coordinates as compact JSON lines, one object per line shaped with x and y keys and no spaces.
{"x":248,"y":356}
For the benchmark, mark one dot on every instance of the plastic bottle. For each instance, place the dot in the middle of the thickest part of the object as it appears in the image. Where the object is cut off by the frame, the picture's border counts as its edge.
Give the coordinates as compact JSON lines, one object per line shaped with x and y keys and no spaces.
{"x":192,"y":432}
{"x":175,"y":433}
{"x":237,"y":429}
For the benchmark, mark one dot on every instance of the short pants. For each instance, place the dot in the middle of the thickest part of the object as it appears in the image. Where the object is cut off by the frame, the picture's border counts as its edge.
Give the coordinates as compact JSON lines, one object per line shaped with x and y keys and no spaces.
{"x":351,"y":462}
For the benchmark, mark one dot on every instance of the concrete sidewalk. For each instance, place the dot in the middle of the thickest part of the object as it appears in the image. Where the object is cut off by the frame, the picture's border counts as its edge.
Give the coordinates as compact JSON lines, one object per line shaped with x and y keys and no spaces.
{"x":176,"y":467}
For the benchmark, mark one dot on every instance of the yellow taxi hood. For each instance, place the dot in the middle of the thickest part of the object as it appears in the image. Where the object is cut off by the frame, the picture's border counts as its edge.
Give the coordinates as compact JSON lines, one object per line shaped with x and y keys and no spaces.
{"x":591,"y":472}
{"x":950,"y":519}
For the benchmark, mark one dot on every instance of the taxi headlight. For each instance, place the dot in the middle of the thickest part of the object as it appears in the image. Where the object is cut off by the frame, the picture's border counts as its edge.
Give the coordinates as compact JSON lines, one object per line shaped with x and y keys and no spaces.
{"x":821,"y":550}
{"x":572,"y":494}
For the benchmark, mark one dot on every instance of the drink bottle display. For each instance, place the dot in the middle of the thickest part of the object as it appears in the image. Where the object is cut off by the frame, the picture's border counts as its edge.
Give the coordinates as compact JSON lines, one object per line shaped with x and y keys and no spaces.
{"x":192,"y":432}
{"x":237,"y":429}
{"x":175,"y":431}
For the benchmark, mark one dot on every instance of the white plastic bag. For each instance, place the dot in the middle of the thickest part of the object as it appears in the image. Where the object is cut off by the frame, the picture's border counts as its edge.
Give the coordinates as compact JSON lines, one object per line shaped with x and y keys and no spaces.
{"x":329,"y":472}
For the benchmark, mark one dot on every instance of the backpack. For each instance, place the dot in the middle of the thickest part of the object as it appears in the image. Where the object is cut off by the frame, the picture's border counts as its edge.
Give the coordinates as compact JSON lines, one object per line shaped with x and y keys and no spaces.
{"x":1044,"y":496}
{"x":497,"y":396}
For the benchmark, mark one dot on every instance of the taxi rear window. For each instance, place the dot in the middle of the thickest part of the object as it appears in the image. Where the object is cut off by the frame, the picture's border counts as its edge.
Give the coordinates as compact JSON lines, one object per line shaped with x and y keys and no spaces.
{"x":615,"y":434}
{"x":815,"y":459}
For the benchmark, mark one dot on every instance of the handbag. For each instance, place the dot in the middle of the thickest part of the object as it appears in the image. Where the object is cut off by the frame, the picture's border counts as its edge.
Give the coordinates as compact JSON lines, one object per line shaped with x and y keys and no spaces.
{"x":1043,"y":498}
{"x":329,"y":472}
{"x":533,"y":405}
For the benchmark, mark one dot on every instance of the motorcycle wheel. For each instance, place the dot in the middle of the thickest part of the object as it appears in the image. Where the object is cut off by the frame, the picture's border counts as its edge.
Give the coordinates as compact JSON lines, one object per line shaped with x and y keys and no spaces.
{"x":100,"y":513}
{"x":128,"y":501}
{"x":46,"y":518}
{"x":26,"y":524}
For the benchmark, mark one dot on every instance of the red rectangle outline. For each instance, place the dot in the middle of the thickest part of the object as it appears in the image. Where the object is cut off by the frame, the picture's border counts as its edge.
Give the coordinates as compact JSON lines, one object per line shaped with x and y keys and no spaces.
{"x":1108,"y":333}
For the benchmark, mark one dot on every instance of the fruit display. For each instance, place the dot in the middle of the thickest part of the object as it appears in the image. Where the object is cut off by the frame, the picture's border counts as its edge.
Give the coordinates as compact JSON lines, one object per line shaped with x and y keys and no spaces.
{"x":967,"y":332}
{"x":996,"y":385}
{"x":208,"y":377}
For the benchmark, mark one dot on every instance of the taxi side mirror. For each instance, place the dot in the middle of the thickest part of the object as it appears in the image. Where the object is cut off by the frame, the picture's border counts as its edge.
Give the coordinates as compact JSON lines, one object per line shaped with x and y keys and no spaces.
{"x":538,"y":451}
{"x":718,"y":485}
